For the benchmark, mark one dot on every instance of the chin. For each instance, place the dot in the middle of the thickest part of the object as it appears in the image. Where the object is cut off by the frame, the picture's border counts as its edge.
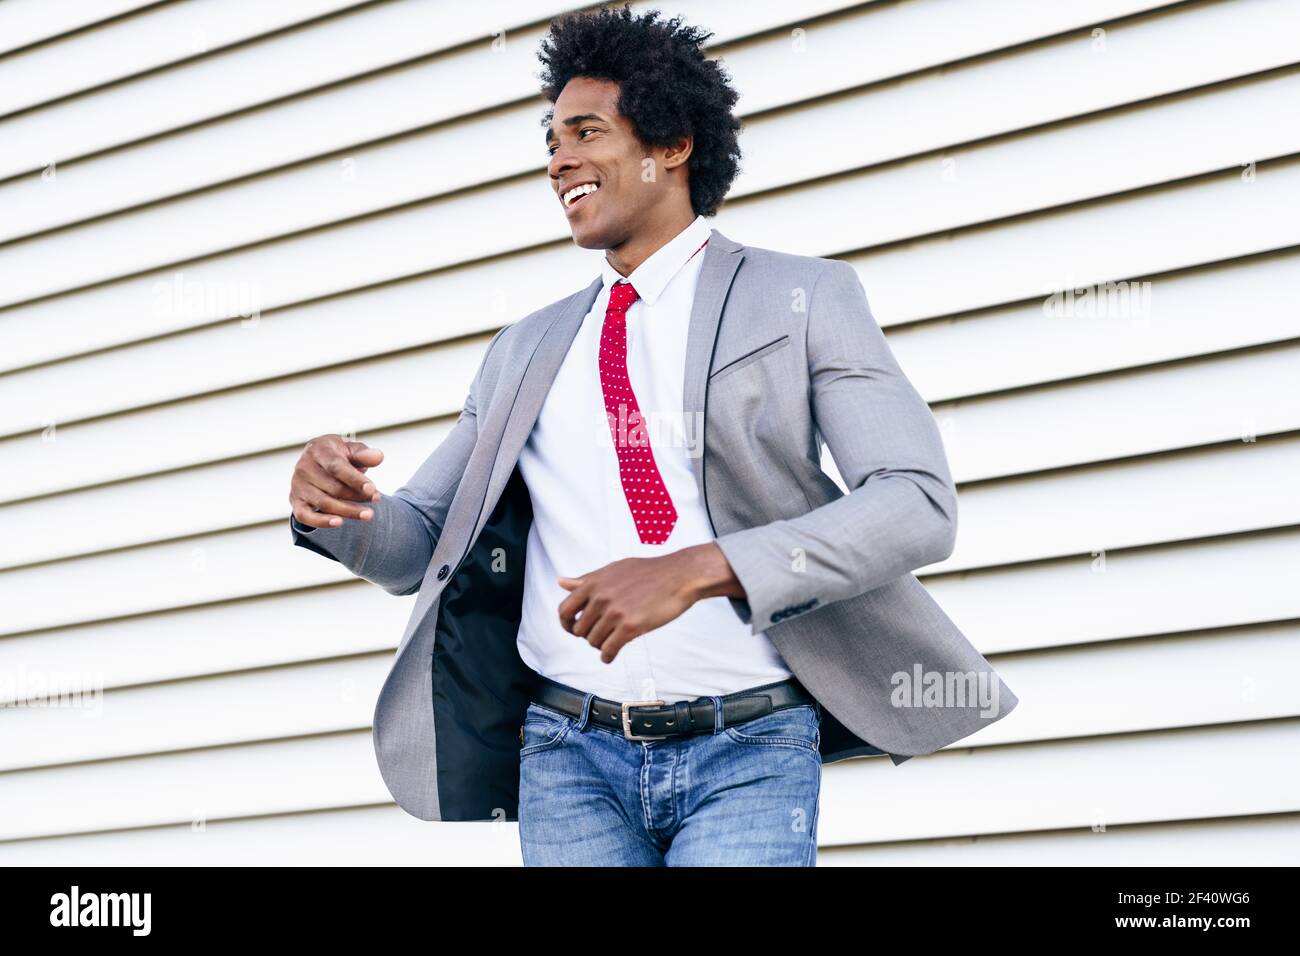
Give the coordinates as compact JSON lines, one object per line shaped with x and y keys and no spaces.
{"x":587,"y":238}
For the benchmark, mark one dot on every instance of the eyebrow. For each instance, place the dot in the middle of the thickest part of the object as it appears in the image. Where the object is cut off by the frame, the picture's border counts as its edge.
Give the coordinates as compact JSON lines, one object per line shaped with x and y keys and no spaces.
{"x":574,"y":121}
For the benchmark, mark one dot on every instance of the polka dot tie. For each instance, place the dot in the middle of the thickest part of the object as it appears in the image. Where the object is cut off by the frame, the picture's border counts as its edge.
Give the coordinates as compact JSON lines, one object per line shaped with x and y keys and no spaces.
{"x":652,"y":508}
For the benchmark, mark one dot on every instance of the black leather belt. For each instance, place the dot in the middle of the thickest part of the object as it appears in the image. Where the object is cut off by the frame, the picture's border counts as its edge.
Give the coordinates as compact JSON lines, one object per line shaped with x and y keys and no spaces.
{"x":654,"y":719}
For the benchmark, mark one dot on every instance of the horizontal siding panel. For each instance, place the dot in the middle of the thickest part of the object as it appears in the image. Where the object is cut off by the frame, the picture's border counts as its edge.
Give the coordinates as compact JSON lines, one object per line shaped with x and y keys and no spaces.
{"x":374,"y":37}
{"x":1207,"y":678}
{"x":1118,"y":780}
{"x":1238,"y":579}
{"x":290,"y":627}
{"x":411,"y":386}
{"x":180,"y":573}
{"x":307,"y":773}
{"x":1163,"y":589}
{"x":991,"y":176}
{"x":454,"y":230}
{"x":150,"y":40}
{"x":1162,"y":229}
{"x":1221,"y":677}
{"x":480,"y":297}
{"x":1180,"y":309}
{"x":27,"y":22}
{"x":419,"y":167}
{"x":370,"y":38}
{"x":104,"y":517}
{"x":1026,"y":173}
{"x":1204,"y":492}
{"x":1223,"y":489}
{"x":1196,"y":402}
{"x":1272,"y":840}
{"x":375,"y":835}
{"x":476,"y":299}
{"x":386,"y":836}
{"x":245,"y":144}
{"x":1180,"y":315}
{"x":900,"y":39}
{"x":1135,"y":235}
{"x":897,"y":39}
{"x":272,"y":703}
{"x":978,"y":125}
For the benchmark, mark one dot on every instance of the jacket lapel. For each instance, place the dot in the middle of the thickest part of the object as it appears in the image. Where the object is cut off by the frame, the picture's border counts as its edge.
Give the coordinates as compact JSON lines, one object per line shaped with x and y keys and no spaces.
{"x":521,"y":411}
{"x":722,"y":257}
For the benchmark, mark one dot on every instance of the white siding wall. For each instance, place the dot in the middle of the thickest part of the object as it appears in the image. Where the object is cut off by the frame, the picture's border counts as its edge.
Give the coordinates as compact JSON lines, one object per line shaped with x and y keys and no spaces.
{"x":369,"y":178}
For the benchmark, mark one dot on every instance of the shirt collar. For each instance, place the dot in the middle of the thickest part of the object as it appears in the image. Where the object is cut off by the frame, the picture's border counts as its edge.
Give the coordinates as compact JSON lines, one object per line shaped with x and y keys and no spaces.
{"x":651,"y":277}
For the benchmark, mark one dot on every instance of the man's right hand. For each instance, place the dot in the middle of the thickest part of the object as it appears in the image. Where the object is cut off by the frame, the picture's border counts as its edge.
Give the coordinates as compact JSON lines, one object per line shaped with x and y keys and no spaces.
{"x":329,"y":478}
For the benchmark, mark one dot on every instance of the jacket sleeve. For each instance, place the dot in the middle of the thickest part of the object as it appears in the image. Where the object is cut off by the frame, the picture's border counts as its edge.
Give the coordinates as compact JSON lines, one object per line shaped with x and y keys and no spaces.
{"x":901,"y":510}
{"x":393,"y":549}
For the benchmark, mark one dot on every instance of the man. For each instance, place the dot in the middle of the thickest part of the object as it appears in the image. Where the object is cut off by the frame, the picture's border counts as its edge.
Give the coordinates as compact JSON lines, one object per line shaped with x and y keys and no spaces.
{"x":646,"y":616}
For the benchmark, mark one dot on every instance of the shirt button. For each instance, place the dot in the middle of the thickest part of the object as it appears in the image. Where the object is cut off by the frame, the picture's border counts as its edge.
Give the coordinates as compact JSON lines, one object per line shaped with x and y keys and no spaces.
{"x":444,"y":571}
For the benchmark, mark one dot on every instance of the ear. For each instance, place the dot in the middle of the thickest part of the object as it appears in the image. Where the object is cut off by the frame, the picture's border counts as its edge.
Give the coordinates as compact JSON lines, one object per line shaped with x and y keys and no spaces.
{"x":679,"y":152}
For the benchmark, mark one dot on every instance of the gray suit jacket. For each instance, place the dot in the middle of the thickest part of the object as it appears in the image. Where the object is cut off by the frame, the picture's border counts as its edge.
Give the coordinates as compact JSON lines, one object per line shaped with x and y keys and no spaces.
{"x":783,"y":353}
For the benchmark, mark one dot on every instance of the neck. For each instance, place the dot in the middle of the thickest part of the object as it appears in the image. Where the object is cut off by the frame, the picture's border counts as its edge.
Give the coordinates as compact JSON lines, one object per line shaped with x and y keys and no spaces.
{"x":639,"y":247}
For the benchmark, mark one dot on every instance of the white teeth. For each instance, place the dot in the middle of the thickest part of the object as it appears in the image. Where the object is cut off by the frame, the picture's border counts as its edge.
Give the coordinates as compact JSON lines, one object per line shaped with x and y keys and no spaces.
{"x":577,"y":191}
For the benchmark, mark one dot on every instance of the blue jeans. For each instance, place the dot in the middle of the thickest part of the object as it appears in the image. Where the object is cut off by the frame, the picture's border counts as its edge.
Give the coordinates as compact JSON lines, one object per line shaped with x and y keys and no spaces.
{"x":744,"y":795}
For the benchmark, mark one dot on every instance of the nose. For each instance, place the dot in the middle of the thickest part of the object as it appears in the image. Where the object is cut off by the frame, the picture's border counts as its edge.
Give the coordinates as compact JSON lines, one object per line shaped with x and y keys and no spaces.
{"x":562,"y":161}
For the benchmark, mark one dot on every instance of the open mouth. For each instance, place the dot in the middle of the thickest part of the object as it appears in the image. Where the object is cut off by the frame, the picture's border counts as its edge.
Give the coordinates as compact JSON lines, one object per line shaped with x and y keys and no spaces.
{"x":578,"y":195}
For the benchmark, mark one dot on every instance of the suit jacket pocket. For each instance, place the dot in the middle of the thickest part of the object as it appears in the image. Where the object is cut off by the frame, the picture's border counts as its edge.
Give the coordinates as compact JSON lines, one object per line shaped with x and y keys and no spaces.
{"x":750,"y":357}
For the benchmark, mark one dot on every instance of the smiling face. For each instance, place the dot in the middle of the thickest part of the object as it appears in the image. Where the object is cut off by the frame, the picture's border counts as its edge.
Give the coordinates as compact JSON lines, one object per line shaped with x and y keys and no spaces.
{"x":592,"y":144}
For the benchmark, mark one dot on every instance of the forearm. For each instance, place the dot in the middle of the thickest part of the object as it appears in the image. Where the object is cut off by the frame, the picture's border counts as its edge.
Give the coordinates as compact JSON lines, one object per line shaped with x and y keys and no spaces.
{"x":856,"y":543}
{"x":392,"y":549}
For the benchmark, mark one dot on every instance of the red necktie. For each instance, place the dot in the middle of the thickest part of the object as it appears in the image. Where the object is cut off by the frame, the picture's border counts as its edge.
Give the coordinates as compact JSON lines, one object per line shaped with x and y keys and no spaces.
{"x":652,"y":508}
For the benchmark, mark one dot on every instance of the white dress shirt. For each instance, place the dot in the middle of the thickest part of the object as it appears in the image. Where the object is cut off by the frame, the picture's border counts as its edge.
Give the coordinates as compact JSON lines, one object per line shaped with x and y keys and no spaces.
{"x":581,"y":519}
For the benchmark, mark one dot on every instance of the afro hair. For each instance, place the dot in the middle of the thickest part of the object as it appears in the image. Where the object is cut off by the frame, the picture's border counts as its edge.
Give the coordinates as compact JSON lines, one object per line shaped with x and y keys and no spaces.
{"x":668,"y":88}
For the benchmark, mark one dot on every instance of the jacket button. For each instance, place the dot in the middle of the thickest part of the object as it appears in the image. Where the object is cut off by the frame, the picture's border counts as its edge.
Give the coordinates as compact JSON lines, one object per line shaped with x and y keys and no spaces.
{"x":444,"y":571}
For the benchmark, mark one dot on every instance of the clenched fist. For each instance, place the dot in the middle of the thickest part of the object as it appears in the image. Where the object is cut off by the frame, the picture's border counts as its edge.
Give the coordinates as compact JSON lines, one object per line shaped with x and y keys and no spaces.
{"x":329,"y":476}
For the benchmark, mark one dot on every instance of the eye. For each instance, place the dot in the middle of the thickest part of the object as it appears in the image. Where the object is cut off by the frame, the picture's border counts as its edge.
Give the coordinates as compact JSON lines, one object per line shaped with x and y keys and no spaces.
{"x":550,"y":150}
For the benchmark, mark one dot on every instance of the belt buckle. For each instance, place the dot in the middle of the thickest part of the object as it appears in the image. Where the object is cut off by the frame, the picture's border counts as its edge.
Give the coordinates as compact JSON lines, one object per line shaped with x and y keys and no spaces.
{"x":627,"y":721}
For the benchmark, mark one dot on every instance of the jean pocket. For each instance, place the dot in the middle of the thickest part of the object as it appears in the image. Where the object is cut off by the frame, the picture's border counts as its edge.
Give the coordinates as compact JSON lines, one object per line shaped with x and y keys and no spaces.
{"x":798,"y":726}
{"x":543,"y":729}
